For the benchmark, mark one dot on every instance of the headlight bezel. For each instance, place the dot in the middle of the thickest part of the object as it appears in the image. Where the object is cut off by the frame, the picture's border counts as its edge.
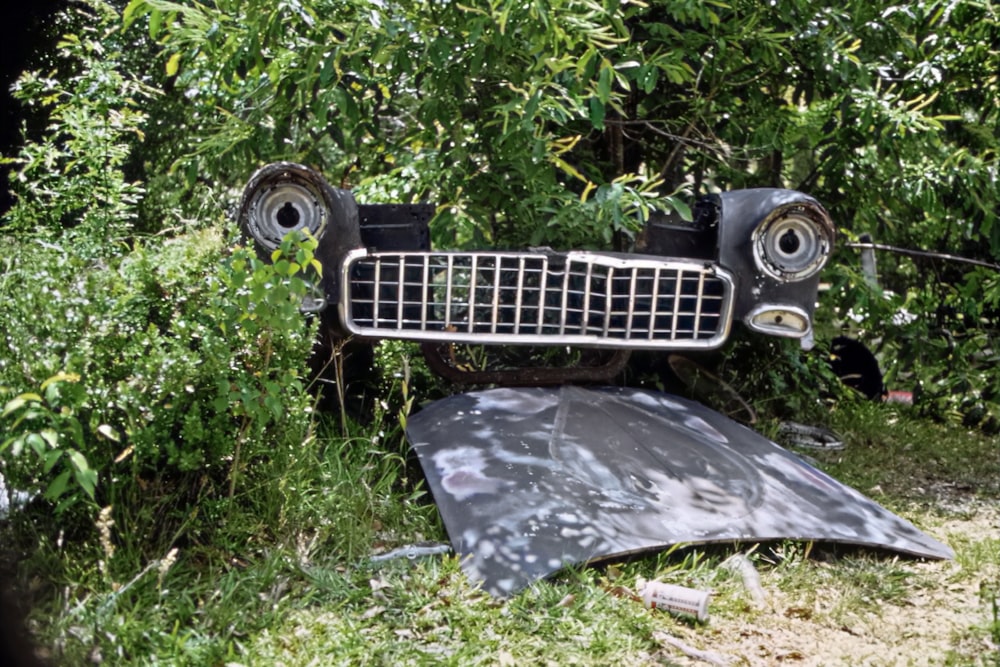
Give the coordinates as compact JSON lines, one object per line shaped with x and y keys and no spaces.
{"x":793,"y":243}
{"x":284,"y":190}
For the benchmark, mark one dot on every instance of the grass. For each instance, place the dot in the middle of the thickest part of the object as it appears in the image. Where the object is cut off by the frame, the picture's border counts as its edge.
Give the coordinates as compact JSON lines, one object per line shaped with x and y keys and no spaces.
{"x":287,"y":579}
{"x":906,"y":458}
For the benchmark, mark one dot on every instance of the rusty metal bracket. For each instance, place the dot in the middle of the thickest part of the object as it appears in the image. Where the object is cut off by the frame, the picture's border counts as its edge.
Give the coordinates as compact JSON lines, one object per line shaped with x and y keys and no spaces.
{"x":441,"y":360}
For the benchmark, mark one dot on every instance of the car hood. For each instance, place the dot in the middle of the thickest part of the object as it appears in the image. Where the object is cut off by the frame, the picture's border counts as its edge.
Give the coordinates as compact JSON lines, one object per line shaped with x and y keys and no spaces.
{"x":530,"y":480}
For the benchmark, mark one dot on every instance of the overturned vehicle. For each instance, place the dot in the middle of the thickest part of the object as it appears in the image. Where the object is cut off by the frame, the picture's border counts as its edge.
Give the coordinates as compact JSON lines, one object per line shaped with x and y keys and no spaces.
{"x":552,"y":466}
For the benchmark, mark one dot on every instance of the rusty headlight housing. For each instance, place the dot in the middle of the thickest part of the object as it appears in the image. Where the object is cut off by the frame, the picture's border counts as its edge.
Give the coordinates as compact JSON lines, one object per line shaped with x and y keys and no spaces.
{"x":281,"y":198}
{"x":793,"y":242}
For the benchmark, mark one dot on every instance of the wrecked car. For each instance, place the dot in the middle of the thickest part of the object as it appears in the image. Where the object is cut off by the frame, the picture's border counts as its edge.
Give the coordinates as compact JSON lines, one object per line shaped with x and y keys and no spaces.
{"x":750,"y":256}
{"x":549,"y":468}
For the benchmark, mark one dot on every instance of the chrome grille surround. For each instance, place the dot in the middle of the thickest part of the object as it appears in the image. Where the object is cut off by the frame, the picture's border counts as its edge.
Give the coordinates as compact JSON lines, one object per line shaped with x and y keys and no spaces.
{"x":537,"y":298}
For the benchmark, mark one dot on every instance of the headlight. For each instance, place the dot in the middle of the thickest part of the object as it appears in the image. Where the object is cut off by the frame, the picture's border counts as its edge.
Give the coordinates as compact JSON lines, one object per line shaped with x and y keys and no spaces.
{"x":280,"y":198}
{"x":793,"y":243}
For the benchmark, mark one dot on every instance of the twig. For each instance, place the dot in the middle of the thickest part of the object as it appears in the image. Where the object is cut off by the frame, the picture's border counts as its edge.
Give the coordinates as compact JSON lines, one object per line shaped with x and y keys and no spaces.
{"x":655,"y":129}
{"x":924,"y":253}
{"x":710,"y":657}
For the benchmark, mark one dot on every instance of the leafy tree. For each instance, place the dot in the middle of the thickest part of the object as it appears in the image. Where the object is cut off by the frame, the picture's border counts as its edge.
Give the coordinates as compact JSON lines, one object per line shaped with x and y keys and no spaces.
{"x":130,"y":362}
{"x":72,"y":177}
{"x":559,"y":122}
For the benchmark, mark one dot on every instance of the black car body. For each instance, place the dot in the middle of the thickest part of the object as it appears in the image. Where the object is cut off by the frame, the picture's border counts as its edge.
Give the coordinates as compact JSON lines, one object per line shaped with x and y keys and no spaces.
{"x":530,"y":479}
{"x":749,"y":256}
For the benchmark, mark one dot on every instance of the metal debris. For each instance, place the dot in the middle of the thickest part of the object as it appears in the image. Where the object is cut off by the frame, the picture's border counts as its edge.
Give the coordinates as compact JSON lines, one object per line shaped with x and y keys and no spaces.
{"x":811,"y":437}
{"x":412,"y":552}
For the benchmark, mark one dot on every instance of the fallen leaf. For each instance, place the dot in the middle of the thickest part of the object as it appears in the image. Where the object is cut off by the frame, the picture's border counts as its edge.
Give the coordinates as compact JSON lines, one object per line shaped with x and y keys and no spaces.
{"x":567,"y":601}
{"x":372,"y":612}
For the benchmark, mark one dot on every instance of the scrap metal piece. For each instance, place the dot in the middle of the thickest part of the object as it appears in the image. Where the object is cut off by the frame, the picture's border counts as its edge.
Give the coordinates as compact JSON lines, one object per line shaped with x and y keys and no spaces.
{"x":412,"y":552}
{"x":529,"y":480}
{"x":810,"y":437}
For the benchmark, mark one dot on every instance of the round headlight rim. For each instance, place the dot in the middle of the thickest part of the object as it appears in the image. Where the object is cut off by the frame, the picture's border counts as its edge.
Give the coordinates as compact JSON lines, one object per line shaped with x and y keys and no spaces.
{"x":261,"y":188}
{"x":821,"y":227}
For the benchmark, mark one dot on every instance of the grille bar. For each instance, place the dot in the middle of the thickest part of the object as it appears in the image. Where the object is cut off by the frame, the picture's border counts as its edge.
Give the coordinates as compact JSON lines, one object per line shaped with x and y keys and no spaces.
{"x":533,"y":298}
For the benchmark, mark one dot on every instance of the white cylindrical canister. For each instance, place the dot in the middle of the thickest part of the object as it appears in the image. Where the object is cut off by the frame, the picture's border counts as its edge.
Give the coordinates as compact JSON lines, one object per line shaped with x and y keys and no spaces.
{"x":676,"y":599}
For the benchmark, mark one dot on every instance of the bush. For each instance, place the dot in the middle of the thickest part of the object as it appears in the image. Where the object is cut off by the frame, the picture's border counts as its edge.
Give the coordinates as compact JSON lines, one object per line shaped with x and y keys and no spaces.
{"x":70,"y":181}
{"x":185,"y":366}
{"x":936,"y":335}
{"x":144,"y":373}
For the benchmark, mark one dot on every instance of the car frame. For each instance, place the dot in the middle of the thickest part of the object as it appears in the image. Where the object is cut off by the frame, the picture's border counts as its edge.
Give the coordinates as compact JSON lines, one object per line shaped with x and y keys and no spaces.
{"x":749,"y":256}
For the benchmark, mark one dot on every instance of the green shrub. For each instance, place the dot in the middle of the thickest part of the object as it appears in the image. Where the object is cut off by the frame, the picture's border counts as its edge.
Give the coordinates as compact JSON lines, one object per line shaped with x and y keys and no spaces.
{"x":144,"y":373}
{"x":70,"y":181}
{"x":190,"y":366}
{"x":42,"y":424}
{"x":936,"y":335}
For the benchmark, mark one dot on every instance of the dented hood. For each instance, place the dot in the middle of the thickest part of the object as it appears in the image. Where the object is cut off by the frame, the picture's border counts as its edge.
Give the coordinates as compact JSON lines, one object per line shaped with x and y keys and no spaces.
{"x":529,"y":480}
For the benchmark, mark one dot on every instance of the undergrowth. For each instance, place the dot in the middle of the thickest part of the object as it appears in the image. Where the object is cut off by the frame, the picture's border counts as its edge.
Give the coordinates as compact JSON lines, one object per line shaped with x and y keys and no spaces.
{"x":285,"y":576}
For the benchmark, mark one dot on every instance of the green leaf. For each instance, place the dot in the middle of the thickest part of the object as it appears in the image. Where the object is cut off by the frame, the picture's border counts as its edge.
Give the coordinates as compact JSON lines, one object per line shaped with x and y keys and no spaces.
{"x":85,"y":476}
{"x":681,"y":207}
{"x":87,"y":479}
{"x":18,"y":402}
{"x":78,"y":460}
{"x":76,"y":431}
{"x":597,"y":113}
{"x":129,"y":13}
{"x":647,"y":78}
{"x":51,"y":458}
{"x":587,"y":64}
{"x":37,"y":443}
{"x":604,"y":82}
{"x":58,"y":486}
{"x":155,"y":21}
{"x":173,"y":64}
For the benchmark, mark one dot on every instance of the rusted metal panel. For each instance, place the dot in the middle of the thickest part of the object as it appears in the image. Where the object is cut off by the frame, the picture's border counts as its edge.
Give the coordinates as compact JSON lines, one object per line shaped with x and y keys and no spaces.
{"x":529,"y":480}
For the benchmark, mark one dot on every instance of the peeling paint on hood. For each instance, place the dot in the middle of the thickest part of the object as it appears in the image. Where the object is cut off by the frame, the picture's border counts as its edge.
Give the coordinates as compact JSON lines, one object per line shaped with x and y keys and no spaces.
{"x":530,"y":480}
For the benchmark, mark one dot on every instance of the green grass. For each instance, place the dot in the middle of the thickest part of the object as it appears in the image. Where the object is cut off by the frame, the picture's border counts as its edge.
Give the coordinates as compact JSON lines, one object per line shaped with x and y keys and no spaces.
{"x":912,"y":459}
{"x":285,"y":578}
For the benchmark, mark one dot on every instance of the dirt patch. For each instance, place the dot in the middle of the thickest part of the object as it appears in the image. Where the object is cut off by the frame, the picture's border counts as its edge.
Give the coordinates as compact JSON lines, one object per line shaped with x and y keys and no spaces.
{"x":941,"y":616}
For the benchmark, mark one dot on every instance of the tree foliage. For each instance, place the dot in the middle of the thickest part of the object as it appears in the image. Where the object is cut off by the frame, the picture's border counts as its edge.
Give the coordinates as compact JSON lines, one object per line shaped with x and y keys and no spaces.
{"x":556,"y":122}
{"x":496,"y":110}
{"x":564,"y":122}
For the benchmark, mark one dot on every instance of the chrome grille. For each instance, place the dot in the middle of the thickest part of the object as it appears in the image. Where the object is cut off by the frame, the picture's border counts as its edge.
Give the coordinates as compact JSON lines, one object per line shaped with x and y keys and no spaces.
{"x":574,"y":298}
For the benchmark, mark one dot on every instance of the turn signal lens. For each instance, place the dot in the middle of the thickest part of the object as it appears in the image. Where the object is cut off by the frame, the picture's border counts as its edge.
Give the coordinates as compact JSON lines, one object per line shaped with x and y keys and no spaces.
{"x":779,"y":321}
